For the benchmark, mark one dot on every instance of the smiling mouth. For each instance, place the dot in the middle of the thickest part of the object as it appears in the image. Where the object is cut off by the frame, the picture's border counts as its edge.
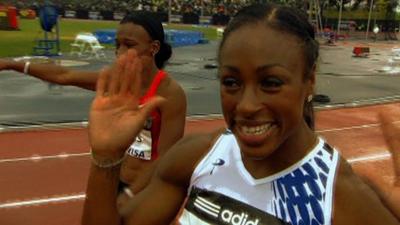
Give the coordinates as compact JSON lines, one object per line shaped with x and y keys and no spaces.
{"x":255,"y":130}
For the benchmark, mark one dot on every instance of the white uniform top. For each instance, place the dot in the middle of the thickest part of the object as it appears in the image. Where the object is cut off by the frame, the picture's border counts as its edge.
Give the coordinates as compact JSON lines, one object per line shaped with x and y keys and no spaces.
{"x":142,"y":146}
{"x":222,"y":191}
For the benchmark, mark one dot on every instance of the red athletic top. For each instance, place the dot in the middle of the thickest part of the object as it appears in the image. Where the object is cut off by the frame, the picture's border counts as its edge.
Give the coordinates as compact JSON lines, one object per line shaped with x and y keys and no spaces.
{"x":155,"y":116}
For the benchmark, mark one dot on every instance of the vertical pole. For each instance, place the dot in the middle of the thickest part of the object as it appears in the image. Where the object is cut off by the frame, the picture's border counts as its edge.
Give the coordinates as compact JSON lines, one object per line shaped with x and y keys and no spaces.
{"x":319,"y":18}
{"x":340,"y":17}
{"x":202,"y":8}
{"x":369,"y":19}
{"x":58,"y":36}
{"x":169,"y":11}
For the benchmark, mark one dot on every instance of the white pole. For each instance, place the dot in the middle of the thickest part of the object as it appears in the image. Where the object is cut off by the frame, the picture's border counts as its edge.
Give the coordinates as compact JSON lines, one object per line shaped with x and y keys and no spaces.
{"x":369,"y":19}
{"x":169,"y":11}
{"x":202,"y":8}
{"x":340,"y":17}
{"x":319,"y":17}
{"x":315,"y":9}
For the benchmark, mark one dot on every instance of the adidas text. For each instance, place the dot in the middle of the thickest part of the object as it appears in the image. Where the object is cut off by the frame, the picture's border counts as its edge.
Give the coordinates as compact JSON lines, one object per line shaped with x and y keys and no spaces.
{"x":237,"y":219}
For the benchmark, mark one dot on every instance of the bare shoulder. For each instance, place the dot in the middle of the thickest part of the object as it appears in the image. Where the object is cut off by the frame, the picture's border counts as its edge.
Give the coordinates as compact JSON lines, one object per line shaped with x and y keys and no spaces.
{"x":174,"y":95}
{"x":356,"y":203}
{"x":170,"y":89}
{"x":179,"y":162}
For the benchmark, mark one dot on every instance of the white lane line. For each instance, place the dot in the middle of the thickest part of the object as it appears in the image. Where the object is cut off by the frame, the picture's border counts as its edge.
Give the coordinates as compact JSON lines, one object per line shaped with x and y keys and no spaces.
{"x":65,"y":155}
{"x":44,"y":126}
{"x":354,"y":127}
{"x":36,"y":158}
{"x":349,"y":128}
{"x":374,"y":157}
{"x":69,"y":198}
{"x":42,"y":201}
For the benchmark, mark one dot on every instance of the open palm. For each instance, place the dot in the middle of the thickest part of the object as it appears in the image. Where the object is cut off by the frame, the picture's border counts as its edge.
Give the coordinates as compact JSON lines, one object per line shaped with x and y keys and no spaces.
{"x":115,"y":115}
{"x":390,"y":192}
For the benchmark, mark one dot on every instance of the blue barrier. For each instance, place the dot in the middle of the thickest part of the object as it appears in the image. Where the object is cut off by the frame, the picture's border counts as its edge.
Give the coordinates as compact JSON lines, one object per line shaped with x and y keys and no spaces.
{"x":178,"y":38}
{"x":175,"y":38}
{"x":106,"y":36}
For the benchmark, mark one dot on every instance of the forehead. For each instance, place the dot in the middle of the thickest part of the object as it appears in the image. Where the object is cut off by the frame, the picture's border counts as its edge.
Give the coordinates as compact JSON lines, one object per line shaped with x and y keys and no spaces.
{"x":257,"y":45}
{"x":133,"y":31}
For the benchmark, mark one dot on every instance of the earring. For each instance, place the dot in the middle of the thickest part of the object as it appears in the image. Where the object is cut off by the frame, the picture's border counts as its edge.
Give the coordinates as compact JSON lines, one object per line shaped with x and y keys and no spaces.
{"x":309,"y":98}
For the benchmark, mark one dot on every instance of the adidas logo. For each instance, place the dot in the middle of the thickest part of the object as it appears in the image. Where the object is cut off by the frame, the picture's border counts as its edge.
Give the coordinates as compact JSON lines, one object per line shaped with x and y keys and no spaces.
{"x":218,"y":162}
{"x":226,"y":215}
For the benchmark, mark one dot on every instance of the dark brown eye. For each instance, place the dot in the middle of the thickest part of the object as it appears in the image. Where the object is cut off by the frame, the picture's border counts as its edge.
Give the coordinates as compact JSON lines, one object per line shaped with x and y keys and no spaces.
{"x":271,"y":83}
{"x":230,"y":82}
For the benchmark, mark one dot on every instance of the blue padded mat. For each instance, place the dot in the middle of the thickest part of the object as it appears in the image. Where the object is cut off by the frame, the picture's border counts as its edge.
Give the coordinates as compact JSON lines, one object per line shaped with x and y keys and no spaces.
{"x":175,"y":38}
{"x":106,"y":36}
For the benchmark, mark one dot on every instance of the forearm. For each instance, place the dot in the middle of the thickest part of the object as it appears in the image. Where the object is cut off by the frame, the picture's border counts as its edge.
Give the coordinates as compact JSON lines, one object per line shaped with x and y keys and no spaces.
{"x":55,"y":74}
{"x":102,"y":189}
{"x":392,"y":201}
{"x":142,"y":181}
{"x":48,"y":72}
{"x":158,"y":203}
{"x":396,"y":165}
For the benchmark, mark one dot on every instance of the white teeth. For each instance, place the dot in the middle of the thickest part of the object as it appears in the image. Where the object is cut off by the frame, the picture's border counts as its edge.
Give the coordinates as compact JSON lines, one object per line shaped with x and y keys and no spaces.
{"x":255,"y":130}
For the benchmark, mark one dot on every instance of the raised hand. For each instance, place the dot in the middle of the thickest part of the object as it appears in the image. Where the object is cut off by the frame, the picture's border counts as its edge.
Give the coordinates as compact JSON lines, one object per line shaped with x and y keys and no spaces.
{"x":390,"y":192}
{"x":115,"y":116}
{"x":391,"y":130}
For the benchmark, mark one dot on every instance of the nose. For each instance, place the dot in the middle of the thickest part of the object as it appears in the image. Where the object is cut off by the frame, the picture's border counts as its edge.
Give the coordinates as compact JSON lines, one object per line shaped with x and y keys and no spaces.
{"x":249,"y":102}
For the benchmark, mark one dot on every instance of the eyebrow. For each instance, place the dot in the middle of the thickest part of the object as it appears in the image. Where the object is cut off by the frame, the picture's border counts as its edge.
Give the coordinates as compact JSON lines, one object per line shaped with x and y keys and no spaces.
{"x":232,"y":68}
{"x":269,"y":66}
{"x":259,"y":69}
{"x":127,"y":39}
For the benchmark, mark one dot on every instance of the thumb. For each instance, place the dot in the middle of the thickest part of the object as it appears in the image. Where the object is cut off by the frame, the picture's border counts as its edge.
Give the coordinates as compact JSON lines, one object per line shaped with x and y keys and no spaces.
{"x":151,"y":105}
{"x":391,"y":134}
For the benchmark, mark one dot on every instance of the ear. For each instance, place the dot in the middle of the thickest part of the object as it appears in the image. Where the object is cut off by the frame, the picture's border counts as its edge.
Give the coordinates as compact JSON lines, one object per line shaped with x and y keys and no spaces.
{"x":311,"y":80}
{"x":155,"y":47}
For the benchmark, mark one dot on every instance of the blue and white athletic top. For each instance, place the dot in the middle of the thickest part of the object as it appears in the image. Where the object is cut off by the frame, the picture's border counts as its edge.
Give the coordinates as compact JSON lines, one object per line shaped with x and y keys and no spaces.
{"x":222,"y":191}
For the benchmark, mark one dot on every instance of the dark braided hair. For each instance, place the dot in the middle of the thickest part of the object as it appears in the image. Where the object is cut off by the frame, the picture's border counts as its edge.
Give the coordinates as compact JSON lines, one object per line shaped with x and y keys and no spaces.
{"x":285,"y":19}
{"x":155,"y":30}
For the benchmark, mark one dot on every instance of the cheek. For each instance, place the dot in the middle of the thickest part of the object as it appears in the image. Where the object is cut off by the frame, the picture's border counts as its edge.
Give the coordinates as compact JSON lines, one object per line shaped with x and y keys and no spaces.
{"x":147,"y":61}
{"x":228,"y":103}
{"x":146,"y":57}
{"x":143,"y":50}
{"x":290,"y":110}
{"x":227,"y":100}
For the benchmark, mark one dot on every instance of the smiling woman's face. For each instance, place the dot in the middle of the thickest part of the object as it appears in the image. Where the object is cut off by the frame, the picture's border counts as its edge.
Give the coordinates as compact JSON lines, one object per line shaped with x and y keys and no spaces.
{"x":263,"y":89}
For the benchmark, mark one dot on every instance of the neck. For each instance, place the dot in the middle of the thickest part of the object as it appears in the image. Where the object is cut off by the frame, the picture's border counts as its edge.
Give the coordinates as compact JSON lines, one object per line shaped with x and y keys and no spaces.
{"x":148,"y":76}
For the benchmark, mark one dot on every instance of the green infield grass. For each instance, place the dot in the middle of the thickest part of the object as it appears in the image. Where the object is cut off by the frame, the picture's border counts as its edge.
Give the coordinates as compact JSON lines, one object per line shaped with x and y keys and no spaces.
{"x":21,"y":43}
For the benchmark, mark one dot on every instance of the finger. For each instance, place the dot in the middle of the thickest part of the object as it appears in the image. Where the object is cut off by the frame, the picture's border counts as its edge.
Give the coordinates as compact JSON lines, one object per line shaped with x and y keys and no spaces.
{"x":391,"y":133}
{"x":137,"y":79}
{"x":391,"y":130}
{"x":102,"y":80}
{"x":127,"y":78}
{"x":116,"y":74}
{"x":151,"y":105}
{"x":131,"y":54}
{"x":137,"y":74}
